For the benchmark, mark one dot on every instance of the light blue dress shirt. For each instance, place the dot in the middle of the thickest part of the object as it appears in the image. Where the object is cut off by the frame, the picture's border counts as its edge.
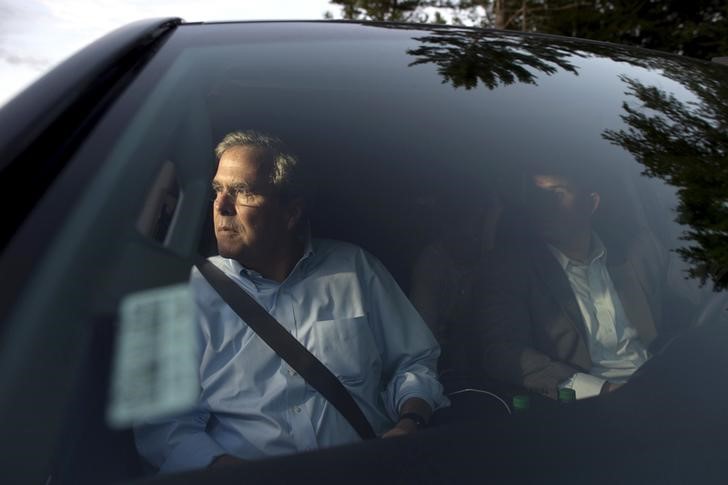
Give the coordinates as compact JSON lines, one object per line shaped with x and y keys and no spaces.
{"x":343,"y":306}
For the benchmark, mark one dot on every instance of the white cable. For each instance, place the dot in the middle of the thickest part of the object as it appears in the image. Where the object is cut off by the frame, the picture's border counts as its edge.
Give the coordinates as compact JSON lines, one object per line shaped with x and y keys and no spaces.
{"x":484,"y":392}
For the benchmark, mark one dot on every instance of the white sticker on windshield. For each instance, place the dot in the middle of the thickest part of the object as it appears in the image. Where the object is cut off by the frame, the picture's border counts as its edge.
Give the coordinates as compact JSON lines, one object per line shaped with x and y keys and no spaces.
{"x":155,"y":372}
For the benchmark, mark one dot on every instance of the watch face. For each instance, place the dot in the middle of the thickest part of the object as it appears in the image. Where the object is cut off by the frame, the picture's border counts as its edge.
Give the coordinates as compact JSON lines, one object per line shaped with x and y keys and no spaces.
{"x":418,"y":420}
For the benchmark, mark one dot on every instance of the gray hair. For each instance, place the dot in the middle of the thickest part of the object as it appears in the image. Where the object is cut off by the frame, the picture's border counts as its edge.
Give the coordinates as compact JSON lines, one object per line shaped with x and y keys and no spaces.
{"x":285,"y":173}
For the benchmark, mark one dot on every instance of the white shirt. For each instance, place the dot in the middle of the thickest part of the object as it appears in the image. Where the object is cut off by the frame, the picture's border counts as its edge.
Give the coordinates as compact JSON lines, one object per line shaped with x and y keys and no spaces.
{"x":343,"y":306}
{"x":614,"y":344}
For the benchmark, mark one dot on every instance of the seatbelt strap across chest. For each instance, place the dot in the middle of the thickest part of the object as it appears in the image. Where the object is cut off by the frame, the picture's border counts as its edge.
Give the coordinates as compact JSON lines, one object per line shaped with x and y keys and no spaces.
{"x":287,"y":347}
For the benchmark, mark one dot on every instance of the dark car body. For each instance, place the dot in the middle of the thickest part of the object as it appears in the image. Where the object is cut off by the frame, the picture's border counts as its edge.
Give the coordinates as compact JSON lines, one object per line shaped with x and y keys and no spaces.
{"x":405,"y":129}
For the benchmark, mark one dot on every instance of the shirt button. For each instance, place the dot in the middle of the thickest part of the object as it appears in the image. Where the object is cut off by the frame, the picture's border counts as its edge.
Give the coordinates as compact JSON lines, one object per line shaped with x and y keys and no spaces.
{"x":297,"y":409}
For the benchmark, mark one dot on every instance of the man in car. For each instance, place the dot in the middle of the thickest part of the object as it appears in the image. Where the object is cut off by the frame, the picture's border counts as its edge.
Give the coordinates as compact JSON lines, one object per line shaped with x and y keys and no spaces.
{"x":335,"y":299}
{"x":561,"y":308}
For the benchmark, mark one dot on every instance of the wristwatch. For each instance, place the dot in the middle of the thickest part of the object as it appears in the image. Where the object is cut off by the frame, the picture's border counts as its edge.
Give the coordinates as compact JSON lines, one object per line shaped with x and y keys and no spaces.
{"x":418,"y":419}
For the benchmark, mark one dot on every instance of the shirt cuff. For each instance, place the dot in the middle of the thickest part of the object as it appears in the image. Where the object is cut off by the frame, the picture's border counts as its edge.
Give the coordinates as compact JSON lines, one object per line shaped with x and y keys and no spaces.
{"x":197,"y":451}
{"x":584,"y":385}
{"x":429,"y":390}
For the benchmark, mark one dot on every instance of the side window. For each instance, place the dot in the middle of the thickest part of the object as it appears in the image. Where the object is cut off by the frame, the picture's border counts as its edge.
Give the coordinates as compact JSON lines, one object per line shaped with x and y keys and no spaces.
{"x":161,"y":206}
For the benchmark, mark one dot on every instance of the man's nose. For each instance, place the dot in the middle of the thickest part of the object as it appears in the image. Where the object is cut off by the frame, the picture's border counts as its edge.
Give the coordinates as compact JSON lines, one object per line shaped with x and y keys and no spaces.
{"x":225,"y":204}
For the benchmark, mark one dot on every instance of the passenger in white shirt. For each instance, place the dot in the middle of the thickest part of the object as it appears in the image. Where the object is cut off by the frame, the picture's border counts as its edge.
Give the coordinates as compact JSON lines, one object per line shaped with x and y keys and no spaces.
{"x":565,"y":225}
{"x":615,"y":348}
{"x":557,"y":308}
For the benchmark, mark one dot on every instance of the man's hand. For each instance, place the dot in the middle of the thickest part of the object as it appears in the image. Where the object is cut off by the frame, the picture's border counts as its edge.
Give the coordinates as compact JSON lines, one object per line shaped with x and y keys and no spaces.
{"x":610,"y":387}
{"x":404,"y":427}
{"x":225,"y":460}
{"x":408,"y":425}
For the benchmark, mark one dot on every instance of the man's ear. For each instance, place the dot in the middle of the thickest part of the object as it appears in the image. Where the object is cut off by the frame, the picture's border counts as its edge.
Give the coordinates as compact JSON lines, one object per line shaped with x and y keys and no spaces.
{"x":295,"y":212}
{"x":595,"y":199}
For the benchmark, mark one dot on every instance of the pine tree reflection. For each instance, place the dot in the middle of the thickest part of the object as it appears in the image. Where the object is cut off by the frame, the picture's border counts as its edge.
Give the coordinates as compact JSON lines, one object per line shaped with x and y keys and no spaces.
{"x":685,"y":143}
{"x":466,"y":57}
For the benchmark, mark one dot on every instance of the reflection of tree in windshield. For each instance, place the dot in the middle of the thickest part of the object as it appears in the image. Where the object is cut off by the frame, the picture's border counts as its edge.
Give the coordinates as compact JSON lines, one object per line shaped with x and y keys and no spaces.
{"x":465,"y":57}
{"x":682,"y":142}
{"x":685,"y":143}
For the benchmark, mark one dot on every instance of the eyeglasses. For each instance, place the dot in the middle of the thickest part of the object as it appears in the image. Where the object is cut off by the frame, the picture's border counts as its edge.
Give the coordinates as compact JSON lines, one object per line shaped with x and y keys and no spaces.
{"x":243,"y":197}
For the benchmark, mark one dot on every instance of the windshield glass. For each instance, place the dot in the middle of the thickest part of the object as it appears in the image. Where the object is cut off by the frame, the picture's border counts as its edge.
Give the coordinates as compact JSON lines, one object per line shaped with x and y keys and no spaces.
{"x":553,"y":212}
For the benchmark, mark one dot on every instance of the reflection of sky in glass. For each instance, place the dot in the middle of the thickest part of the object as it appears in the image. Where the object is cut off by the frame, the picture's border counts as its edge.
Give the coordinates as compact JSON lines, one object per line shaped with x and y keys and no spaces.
{"x":371,"y":91}
{"x":399,"y":105}
{"x":512,"y":121}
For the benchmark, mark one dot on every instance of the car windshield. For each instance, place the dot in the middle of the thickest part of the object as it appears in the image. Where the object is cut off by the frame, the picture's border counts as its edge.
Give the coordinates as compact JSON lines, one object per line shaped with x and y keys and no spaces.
{"x":502,"y":180}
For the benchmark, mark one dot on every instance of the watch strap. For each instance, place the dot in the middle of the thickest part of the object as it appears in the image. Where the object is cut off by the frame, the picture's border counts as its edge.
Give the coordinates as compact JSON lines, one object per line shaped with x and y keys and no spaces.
{"x":417,"y":418}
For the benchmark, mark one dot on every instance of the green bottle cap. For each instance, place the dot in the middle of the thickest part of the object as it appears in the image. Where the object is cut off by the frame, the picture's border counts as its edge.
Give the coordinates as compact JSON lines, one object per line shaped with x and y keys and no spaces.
{"x":521,"y":402}
{"x":566,"y":395}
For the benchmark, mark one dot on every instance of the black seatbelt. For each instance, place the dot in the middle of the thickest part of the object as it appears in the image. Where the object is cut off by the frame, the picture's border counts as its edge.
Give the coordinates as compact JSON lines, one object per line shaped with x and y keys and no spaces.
{"x":287,"y":347}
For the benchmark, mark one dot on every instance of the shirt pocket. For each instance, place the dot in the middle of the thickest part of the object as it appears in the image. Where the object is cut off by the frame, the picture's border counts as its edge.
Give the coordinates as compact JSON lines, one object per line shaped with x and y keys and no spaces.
{"x":346,"y":347}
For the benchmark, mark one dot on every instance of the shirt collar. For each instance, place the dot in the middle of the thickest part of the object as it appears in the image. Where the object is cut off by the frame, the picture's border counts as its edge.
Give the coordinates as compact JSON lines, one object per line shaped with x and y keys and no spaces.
{"x":308,"y":249}
{"x":236,"y":268}
{"x":597,"y":251}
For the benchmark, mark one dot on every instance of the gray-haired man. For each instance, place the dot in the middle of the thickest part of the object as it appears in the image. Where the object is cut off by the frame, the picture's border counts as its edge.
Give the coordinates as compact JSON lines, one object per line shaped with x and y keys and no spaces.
{"x":335,"y":298}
